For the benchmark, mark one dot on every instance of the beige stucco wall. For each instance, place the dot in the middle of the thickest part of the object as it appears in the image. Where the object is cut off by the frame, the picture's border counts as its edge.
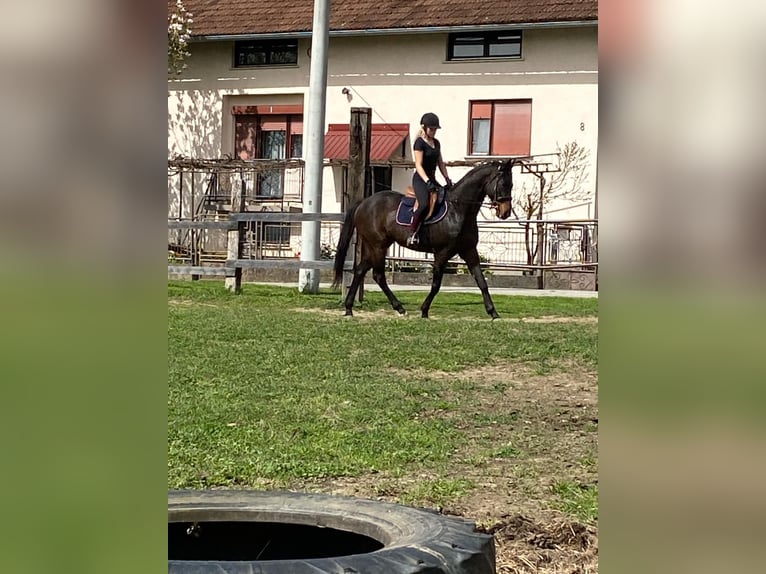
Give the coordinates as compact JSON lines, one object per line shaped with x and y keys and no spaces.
{"x":400,"y":77}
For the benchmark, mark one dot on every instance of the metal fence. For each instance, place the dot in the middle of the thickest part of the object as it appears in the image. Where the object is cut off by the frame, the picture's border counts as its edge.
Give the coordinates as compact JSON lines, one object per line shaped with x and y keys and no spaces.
{"x":199,"y":219}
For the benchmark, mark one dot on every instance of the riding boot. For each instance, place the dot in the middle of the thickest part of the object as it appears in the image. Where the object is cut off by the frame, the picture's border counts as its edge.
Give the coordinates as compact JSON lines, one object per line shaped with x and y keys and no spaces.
{"x":414,"y":229}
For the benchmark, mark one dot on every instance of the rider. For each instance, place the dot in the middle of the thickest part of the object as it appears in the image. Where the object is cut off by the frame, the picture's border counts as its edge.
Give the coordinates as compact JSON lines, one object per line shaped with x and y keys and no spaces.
{"x":428,"y":156}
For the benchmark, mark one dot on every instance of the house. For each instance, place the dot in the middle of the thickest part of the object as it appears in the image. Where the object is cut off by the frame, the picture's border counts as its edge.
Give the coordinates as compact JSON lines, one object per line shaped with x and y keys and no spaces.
{"x":506,"y":78}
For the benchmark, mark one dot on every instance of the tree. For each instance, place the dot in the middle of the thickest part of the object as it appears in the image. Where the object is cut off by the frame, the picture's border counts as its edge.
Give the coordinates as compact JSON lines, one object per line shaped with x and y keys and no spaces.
{"x":563,"y":185}
{"x":179,"y":32}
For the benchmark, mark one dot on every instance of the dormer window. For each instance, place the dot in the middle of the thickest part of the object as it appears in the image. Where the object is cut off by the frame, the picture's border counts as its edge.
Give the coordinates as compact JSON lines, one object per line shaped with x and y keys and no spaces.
{"x":480,"y":46}
{"x":248,"y":53}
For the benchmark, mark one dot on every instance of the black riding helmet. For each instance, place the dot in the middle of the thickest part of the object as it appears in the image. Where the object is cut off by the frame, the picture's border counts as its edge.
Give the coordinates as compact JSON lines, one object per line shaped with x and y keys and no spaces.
{"x":430,"y":120}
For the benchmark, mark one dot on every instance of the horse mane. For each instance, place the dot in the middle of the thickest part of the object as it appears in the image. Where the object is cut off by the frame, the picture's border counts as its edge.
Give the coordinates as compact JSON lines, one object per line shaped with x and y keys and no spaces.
{"x":468,"y":182}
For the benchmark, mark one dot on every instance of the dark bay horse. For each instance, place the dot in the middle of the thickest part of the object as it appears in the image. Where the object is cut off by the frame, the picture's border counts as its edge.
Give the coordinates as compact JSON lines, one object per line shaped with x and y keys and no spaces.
{"x":374,"y":219}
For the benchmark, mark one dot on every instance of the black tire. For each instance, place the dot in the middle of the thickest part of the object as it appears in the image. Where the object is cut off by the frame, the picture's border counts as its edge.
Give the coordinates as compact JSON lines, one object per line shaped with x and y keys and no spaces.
{"x":410,"y":540}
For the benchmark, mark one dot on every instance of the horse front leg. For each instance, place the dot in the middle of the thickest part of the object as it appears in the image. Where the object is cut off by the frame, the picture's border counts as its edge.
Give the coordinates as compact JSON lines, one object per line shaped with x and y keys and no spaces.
{"x":440,"y":262}
{"x":471,"y":258}
{"x":379,"y":274}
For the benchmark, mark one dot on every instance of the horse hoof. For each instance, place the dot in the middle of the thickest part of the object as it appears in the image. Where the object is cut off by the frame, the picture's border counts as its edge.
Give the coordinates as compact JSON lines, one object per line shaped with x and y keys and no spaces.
{"x":402,"y":311}
{"x":348,"y":313}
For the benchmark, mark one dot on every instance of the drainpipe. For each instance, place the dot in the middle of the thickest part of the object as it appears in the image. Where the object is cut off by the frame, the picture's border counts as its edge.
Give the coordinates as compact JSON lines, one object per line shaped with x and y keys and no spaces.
{"x":308,"y":280}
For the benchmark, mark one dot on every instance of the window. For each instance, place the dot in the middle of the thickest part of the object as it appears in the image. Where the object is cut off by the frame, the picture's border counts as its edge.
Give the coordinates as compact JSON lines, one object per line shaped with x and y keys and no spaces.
{"x":265,"y":53}
{"x":296,"y":146}
{"x":275,"y":234}
{"x":380,"y":178}
{"x":473,"y":46}
{"x":500,"y":127}
{"x":272,"y":147}
{"x":268,"y":136}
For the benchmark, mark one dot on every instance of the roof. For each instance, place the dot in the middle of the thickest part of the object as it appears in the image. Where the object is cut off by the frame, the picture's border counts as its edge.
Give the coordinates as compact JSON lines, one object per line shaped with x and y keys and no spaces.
{"x":384,"y":140}
{"x":240,"y":17}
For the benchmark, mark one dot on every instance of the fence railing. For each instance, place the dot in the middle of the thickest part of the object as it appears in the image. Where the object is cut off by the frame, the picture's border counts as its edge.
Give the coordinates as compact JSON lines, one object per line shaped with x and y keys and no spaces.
{"x":219,"y":225}
{"x":567,"y":245}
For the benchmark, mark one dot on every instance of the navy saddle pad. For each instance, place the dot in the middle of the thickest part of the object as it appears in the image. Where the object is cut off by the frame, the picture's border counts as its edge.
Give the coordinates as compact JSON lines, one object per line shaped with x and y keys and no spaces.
{"x":404,"y":211}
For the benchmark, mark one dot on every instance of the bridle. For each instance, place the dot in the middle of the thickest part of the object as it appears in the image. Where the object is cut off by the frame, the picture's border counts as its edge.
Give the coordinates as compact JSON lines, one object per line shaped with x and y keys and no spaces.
{"x":496,"y":201}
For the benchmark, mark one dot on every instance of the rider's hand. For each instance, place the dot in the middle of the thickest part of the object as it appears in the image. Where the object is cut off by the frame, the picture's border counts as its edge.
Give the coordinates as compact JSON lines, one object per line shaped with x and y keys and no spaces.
{"x":432,"y":186}
{"x":448,"y":185}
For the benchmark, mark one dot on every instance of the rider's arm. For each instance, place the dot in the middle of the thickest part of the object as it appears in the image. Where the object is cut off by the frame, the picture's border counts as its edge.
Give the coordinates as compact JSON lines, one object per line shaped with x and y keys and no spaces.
{"x":443,"y":168}
{"x":419,"y":165}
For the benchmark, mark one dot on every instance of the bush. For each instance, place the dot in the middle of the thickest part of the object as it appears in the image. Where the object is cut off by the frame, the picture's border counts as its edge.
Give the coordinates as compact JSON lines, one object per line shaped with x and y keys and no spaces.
{"x":460,"y":268}
{"x":327,"y":251}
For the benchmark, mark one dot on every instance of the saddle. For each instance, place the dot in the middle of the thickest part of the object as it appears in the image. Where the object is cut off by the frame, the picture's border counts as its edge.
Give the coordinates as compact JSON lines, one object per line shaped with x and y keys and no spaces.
{"x":437,"y":207}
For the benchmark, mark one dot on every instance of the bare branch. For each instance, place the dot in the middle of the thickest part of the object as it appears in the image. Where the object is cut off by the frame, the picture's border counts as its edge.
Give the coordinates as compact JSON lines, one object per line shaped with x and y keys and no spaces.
{"x":563,"y":185}
{"x":567,"y":184}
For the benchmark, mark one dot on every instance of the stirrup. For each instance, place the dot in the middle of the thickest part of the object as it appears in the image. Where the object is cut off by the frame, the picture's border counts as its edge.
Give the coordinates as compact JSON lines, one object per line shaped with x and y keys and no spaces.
{"x":413,"y":239}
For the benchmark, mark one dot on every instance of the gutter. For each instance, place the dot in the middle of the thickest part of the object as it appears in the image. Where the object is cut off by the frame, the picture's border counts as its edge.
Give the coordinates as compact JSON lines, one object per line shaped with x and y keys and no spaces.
{"x":397,"y":31}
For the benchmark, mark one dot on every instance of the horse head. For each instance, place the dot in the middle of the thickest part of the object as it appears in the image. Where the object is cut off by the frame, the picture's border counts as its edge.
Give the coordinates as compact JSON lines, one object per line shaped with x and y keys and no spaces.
{"x":499,"y":186}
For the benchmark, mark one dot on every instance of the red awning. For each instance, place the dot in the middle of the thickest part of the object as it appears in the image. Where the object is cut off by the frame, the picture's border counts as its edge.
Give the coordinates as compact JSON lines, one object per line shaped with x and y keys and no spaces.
{"x":386,"y":139}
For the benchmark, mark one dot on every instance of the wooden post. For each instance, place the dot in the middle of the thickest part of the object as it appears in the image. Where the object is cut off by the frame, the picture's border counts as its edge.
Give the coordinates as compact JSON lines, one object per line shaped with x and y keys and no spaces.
{"x":236,"y":236}
{"x":360,"y":130}
{"x":193,"y":232}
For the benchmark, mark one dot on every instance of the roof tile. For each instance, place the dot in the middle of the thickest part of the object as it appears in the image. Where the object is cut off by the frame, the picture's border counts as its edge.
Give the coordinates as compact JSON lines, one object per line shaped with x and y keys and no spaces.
{"x":229,"y":17}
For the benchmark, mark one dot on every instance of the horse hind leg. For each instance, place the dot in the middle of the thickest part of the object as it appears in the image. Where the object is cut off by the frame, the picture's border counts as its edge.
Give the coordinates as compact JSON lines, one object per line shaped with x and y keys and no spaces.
{"x":379,"y":274}
{"x":440,"y":262}
{"x":361,"y":270}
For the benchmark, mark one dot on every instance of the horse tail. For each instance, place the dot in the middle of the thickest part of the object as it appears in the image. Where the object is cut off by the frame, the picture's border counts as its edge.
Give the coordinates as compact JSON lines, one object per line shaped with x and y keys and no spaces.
{"x":346,"y":232}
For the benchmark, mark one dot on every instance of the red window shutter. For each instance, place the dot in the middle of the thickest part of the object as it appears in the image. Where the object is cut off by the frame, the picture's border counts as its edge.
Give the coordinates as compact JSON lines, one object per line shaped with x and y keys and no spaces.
{"x":280,"y":109}
{"x":296,"y":126}
{"x":267,"y":110}
{"x":512,"y":128}
{"x":481,"y":110}
{"x":274,"y":123}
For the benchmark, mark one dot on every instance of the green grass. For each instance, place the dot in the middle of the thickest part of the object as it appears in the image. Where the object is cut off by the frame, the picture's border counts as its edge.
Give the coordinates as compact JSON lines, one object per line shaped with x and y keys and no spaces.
{"x":272,"y":386}
{"x":438,"y":492}
{"x":505,"y":451}
{"x":580,"y":500}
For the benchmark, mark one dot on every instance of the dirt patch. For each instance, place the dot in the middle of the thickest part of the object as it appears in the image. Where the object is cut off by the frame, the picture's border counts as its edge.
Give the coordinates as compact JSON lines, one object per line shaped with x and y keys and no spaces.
{"x":189,"y":303}
{"x":540,"y":542}
{"x":526,"y":429}
{"x":388,"y":313}
{"x":358,"y":314}
{"x":557,"y":319}
{"x":524,"y":546}
{"x":563,"y":393}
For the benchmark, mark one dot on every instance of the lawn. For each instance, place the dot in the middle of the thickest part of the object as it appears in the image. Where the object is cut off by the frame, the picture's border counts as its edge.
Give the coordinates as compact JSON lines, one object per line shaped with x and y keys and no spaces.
{"x":488,"y":419}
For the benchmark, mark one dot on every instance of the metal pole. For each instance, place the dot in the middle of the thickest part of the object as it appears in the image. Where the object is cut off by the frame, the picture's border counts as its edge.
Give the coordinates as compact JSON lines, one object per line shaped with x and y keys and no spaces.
{"x":308,"y":279}
{"x":541,"y":235}
{"x":594,"y":236}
